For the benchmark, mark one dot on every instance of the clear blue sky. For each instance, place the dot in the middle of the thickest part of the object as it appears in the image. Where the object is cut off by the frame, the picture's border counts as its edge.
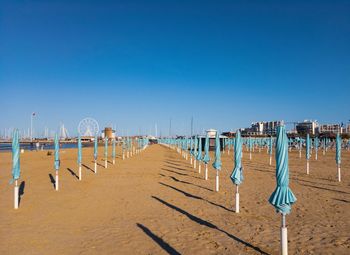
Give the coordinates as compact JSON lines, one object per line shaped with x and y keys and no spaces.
{"x":137,"y":63}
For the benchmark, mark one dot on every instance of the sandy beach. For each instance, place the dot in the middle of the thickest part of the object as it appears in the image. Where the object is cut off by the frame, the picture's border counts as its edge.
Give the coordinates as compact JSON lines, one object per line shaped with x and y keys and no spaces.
{"x":156,"y":203}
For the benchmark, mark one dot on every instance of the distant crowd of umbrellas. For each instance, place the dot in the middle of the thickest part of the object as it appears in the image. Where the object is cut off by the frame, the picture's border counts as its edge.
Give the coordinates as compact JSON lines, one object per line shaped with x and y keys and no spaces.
{"x":282,"y":198}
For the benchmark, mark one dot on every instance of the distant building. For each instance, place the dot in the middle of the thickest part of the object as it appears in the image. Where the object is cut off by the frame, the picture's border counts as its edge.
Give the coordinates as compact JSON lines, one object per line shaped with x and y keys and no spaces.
{"x":262,"y":128}
{"x":331,"y":128}
{"x":307,"y":127}
{"x":108,"y":132}
{"x":347,"y":130}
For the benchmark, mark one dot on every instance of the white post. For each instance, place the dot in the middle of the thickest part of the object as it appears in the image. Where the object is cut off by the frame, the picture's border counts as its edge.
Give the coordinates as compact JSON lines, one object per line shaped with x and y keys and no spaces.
{"x":237,"y":200}
{"x":339,"y":176}
{"x":316,"y":155}
{"x":199,"y":167}
{"x":250,"y":155}
{"x":56,"y":181}
{"x":300,"y":153}
{"x":195,"y":163}
{"x":105,"y":163}
{"x":95,"y":169}
{"x":307,"y":167}
{"x":123,"y":156}
{"x":217,"y":181}
{"x":206,"y":171}
{"x":113,"y":161}
{"x":191,"y":159}
{"x":79,"y":172}
{"x":16,"y":194}
{"x":284,"y":237}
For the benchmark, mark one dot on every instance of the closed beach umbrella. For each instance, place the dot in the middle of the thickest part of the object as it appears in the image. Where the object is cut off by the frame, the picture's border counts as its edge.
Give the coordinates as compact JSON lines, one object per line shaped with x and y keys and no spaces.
{"x":199,"y":154}
{"x":206,"y":157}
{"x":237,"y":173}
{"x":338,"y":154}
{"x":270,"y":149}
{"x":282,"y":198}
{"x":95,"y":152}
{"x":113,"y":151}
{"x":79,"y":156}
{"x":57,"y":159}
{"x":217,"y":162}
{"x":106,"y":151}
{"x":16,"y":172}
{"x":195,"y":152}
{"x":191,"y":149}
{"x":307,"y":152}
{"x":316,"y":144}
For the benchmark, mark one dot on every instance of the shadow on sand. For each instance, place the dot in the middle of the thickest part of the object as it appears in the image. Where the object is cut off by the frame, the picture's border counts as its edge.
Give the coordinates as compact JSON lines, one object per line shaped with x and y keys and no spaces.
{"x":208,"y":224}
{"x":52,"y":180}
{"x":72,"y":172}
{"x":88,"y":168}
{"x":21,"y":191}
{"x":164,"y":245}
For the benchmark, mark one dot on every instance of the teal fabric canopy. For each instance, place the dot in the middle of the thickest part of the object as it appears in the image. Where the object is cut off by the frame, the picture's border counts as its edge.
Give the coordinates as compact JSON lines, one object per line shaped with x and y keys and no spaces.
{"x":199,"y":153}
{"x":15,"y":156}
{"x":217,"y":162}
{"x":338,"y":143}
{"x":237,"y":173}
{"x":308,"y":146}
{"x":79,"y":150}
{"x":106,"y":147}
{"x":206,"y":158}
{"x":95,"y":147}
{"x":57,"y":153}
{"x":282,"y":198}
{"x":113,"y":148}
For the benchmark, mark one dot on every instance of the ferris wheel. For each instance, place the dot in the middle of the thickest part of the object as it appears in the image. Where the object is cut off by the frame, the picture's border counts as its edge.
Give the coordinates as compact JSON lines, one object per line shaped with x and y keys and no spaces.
{"x":88,"y":127}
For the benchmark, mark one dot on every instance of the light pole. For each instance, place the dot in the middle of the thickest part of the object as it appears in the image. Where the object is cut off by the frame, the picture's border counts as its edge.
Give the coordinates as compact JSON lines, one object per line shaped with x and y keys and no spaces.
{"x":31,"y":126}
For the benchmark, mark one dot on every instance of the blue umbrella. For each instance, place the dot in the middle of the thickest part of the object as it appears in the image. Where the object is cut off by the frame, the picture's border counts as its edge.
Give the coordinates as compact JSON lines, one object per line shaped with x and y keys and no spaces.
{"x":95,"y":152}
{"x":79,"y":156}
{"x":237,"y":173}
{"x":282,"y":198}
{"x":338,"y":154}
{"x":57,"y":159}
{"x":217,"y":162}
{"x":15,"y":165}
{"x":199,"y":154}
{"x":307,"y":152}
{"x":206,"y":157}
{"x":106,"y":151}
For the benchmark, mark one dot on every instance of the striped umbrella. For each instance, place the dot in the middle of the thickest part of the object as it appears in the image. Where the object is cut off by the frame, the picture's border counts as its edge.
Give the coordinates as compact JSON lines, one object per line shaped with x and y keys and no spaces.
{"x":282,"y":198}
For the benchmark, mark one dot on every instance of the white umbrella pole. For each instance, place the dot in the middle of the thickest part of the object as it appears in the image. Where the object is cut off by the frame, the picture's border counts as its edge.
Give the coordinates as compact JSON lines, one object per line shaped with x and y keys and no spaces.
{"x":95,"y":169}
{"x":191,"y":159}
{"x":217,"y":181}
{"x":300,"y":153}
{"x":195,"y":163}
{"x":270,"y":160}
{"x":199,"y":167}
{"x":307,"y":167}
{"x":123,"y":156}
{"x":339,"y":176}
{"x":56,"y":181}
{"x":284,"y":236}
{"x":16,"y":194}
{"x":316,"y":155}
{"x":105,"y":162}
{"x":237,"y":200}
{"x":79,"y":172}
{"x":206,"y":171}
{"x":113,"y":161}
{"x":250,"y":155}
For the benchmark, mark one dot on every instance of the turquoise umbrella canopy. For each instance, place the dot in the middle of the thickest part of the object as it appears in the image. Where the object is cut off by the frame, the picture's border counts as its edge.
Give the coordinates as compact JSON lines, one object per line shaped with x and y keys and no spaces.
{"x":237,"y":173}
{"x":113,"y":148}
{"x":15,"y":156}
{"x":95,"y":147}
{"x":57,"y":153}
{"x":308,"y":146}
{"x":106,"y":147}
{"x":195,"y":147}
{"x":206,"y":158}
{"x":338,"y":149}
{"x":282,"y":198}
{"x":79,"y":150}
{"x":199,"y":153}
{"x":270,"y":145}
{"x":217,"y":162}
